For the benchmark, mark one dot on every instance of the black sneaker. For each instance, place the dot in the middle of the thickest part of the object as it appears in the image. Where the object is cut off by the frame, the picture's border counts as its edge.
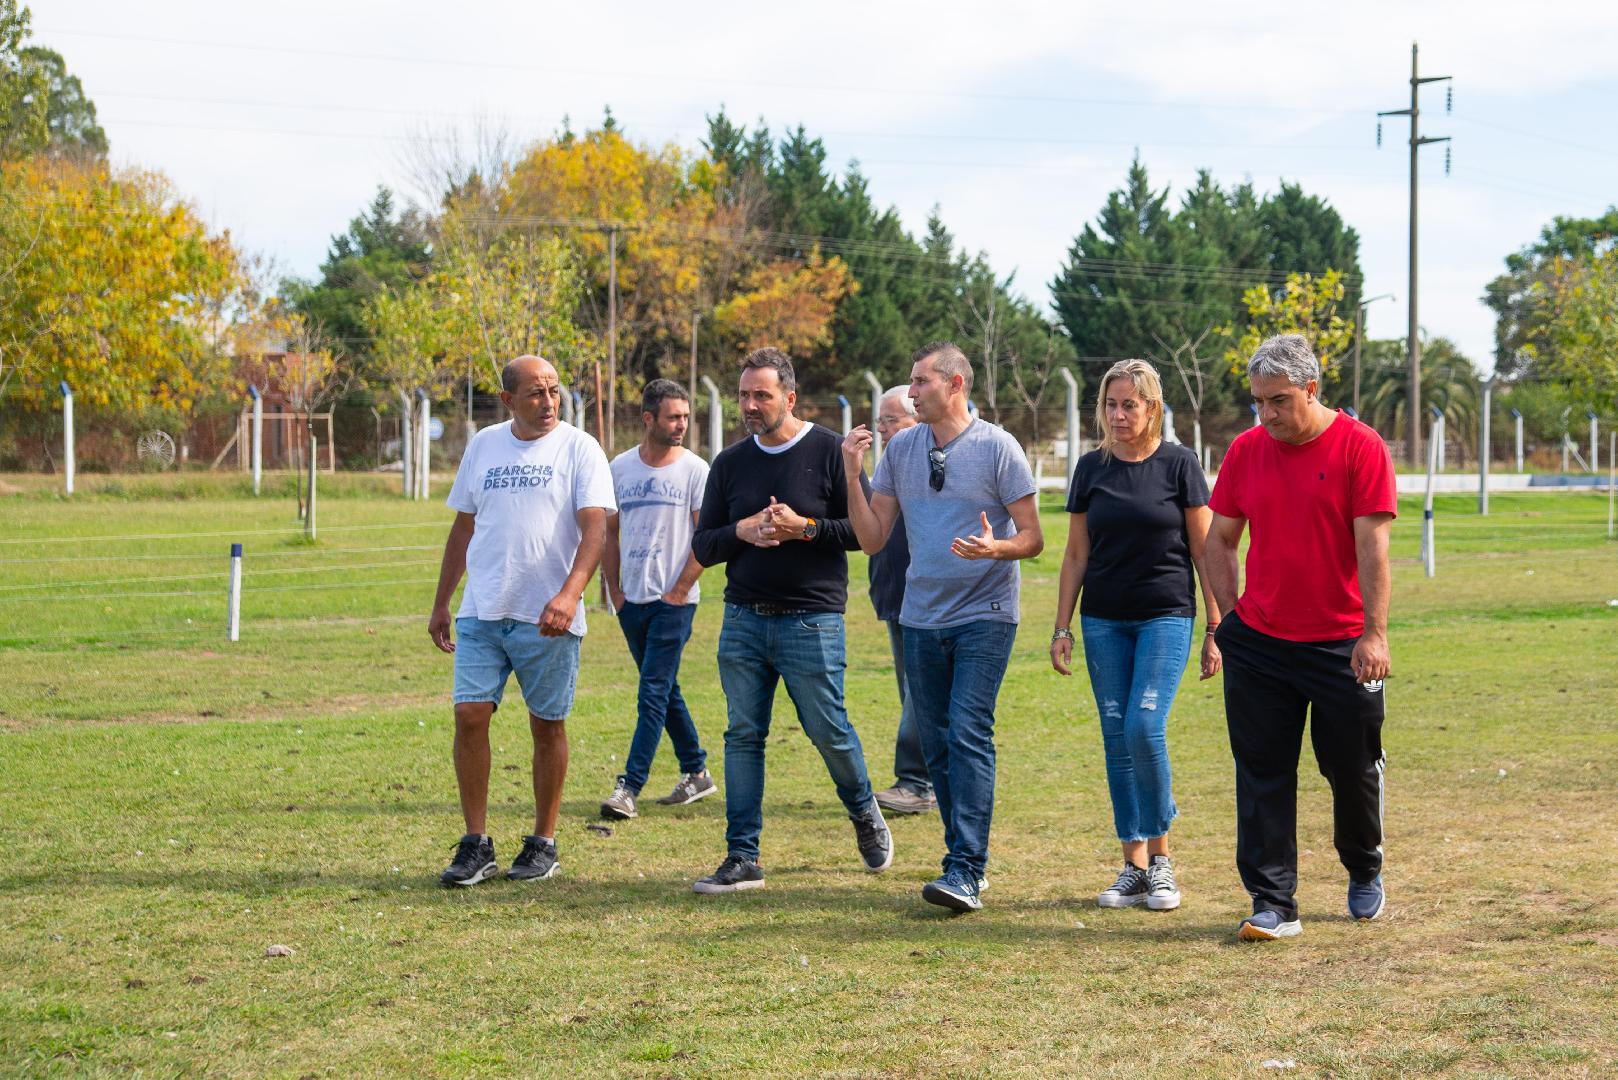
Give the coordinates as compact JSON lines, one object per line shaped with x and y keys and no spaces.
{"x":735,"y":873}
{"x":1130,"y":888}
{"x":473,"y":862}
{"x":874,"y":840}
{"x":537,"y":861}
{"x":956,"y":890}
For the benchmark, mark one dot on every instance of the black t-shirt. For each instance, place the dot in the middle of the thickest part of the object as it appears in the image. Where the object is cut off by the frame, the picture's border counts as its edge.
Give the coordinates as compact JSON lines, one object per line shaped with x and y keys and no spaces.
{"x":799,"y":575}
{"x":1140,"y":560}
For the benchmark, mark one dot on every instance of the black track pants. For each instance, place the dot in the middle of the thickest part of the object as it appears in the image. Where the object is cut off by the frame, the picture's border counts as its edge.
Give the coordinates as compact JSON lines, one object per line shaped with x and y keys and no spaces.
{"x":1269,"y":686}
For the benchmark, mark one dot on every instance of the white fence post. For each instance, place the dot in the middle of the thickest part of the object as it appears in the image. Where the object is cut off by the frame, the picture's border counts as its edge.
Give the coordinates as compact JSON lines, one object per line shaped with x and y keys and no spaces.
{"x":716,"y":419}
{"x":424,"y":473}
{"x":257,"y":439}
{"x":407,"y":425}
{"x":68,"y":462}
{"x":233,"y":616}
{"x":1516,"y":420}
{"x":314,"y":470}
{"x":1435,"y":439}
{"x":848,"y":413}
{"x":1595,"y":443}
{"x":876,"y":409}
{"x":1072,"y":423}
{"x":1483,"y":450}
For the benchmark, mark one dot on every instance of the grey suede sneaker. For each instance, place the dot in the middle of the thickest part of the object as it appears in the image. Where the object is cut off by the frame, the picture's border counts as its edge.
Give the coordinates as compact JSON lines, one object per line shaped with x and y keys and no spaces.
{"x":901,"y":800}
{"x":692,"y":786}
{"x":620,"y":804}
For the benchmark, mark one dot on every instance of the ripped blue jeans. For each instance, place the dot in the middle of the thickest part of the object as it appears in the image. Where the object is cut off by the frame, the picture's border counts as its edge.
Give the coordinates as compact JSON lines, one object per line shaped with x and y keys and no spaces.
{"x":1135,"y":669}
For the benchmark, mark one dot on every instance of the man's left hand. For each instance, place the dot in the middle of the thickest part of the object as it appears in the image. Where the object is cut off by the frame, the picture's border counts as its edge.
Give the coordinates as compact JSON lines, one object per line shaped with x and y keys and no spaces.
{"x":981,"y":546}
{"x":558,"y":616}
{"x":676,"y":597}
{"x":1370,"y":661}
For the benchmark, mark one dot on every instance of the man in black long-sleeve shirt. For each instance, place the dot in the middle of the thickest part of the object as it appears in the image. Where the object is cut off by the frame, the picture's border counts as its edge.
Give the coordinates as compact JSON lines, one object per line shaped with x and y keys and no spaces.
{"x":775,"y":512}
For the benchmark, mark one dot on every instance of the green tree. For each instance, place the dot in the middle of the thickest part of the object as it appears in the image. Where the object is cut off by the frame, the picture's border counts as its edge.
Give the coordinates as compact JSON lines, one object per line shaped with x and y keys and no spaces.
{"x":70,"y":115}
{"x":1575,"y":336}
{"x":1449,"y":381}
{"x":1303,"y":234}
{"x":1518,"y":297}
{"x":384,"y":248}
{"x":24,"y":89}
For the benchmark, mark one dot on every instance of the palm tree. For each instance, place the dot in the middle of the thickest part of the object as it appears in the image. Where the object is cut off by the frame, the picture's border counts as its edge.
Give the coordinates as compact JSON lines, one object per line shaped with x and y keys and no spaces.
{"x":1449,"y":381}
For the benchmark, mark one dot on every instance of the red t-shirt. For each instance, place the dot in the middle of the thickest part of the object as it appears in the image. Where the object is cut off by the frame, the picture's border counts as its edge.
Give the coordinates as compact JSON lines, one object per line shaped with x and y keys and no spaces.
{"x":1300,"y":502}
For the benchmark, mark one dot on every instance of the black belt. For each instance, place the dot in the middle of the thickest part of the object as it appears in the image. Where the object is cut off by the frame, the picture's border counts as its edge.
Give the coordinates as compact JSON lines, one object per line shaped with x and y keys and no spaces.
{"x":772,"y":610}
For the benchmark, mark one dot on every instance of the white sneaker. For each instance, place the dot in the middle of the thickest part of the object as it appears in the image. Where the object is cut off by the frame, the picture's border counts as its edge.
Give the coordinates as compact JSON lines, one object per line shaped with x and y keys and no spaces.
{"x":1161,"y":892}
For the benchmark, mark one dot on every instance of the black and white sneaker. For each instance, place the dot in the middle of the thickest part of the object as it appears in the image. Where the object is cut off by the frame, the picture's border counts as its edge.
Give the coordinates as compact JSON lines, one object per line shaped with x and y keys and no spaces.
{"x":1130,"y":888}
{"x":1162,"y":894}
{"x":956,"y":890}
{"x":737,"y":872}
{"x":473,"y":861}
{"x":537,"y":861}
{"x":874,"y":839}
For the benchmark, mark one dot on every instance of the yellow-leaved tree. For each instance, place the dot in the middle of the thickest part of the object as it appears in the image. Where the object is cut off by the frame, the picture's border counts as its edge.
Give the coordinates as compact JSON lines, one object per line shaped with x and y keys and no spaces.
{"x":1305,"y":305}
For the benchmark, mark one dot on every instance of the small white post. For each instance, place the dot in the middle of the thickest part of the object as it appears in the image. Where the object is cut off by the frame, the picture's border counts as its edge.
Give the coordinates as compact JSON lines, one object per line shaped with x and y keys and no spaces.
{"x":1072,"y":424}
{"x":1567,"y":441}
{"x":424,"y":474}
{"x":67,"y":437}
{"x":1428,"y":555}
{"x":233,"y":609}
{"x":567,"y":406}
{"x":1169,"y":434}
{"x":258,"y":439}
{"x":1196,"y":436}
{"x":1483,"y":450}
{"x":1516,"y":420}
{"x":1595,"y":444}
{"x":716,"y":419}
{"x":1441,"y":434}
{"x":876,"y":408}
{"x":1254,"y":407}
{"x":848,"y":413}
{"x":314,"y":470}
{"x":407,"y":434}
{"x":1612,"y":482}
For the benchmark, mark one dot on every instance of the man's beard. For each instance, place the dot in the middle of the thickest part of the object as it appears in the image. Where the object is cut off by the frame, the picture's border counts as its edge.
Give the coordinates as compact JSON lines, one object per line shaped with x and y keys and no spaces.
{"x":760,"y":426}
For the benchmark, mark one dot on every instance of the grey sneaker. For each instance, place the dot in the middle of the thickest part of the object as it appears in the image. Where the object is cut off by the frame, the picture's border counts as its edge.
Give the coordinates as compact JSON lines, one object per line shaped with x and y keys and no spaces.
{"x":1129,"y":890}
{"x":692,"y":786}
{"x":901,"y":800}
{"x":620,"y":804}
{"x":874,"y":840}
{"x":1162,"y":894}
{"x":473,"y":862}
{"x":735,"y":873}
{"x":536,"y":862}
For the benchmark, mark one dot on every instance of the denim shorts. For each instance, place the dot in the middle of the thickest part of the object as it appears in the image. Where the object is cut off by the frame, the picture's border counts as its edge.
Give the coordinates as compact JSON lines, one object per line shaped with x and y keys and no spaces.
{"x":488,"y":651}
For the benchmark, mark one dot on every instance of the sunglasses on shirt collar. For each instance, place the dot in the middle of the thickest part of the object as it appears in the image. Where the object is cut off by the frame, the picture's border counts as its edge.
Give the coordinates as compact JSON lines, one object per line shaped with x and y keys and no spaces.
{"x":935,"y":468}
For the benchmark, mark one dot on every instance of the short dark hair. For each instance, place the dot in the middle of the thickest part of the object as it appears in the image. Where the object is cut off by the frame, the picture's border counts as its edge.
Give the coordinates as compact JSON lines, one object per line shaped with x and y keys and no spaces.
{"x":658,"y":391}
{"x":778,"y":362}
{"x":948,"y":360}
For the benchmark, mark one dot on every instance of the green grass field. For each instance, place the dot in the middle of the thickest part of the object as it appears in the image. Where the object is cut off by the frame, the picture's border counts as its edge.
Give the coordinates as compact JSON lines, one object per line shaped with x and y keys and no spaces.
{"x":171,"y":804}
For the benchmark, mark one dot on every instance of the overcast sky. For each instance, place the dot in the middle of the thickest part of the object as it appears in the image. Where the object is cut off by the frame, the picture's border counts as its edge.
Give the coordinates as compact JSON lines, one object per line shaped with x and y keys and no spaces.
{"x":278,"y":122}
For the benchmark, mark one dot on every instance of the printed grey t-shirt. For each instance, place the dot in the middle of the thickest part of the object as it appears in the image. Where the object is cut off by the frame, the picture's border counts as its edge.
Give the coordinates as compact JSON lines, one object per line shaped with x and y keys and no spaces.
{"x":984,"y":472}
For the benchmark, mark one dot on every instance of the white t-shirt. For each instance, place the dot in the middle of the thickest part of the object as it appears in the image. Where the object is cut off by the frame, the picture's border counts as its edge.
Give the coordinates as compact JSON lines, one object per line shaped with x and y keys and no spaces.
{"x":526,"y":496}
{"x":654,"y":521}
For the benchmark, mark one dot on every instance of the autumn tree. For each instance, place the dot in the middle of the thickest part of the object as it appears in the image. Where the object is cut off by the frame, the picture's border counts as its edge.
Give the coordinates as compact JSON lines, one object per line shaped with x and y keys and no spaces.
{"x":1305,"y":305}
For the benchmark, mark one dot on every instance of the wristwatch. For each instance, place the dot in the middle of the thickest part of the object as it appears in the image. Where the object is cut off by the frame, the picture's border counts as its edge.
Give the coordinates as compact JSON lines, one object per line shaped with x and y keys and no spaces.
{"x":1061,"y":632}
{"x":810,"y":529}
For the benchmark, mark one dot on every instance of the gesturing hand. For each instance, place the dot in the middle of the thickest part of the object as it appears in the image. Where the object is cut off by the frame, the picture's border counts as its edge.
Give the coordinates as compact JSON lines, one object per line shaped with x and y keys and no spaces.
{"x":787,"y":521}
{"x":855,"y":444}
{"x":758,"y":530}
{"x":981,"y":546}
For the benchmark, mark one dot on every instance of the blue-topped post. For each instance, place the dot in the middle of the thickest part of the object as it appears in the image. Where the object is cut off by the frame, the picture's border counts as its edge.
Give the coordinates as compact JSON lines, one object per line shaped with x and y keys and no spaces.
{"x":1595,"y":444}
{"x":424,"y":414}
{"x":233,"y":610}
{"x":848,"y":413}
{"x":1349,"y":409}
{"x":1254,"y":406}
{"x":876,"y":411}
{"x":67,"y":436}
{"x":1516,"y":420}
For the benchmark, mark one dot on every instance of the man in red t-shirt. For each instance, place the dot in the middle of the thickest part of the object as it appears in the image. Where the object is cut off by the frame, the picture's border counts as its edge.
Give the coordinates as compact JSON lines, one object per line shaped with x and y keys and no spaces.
{"x":1309,"y":634}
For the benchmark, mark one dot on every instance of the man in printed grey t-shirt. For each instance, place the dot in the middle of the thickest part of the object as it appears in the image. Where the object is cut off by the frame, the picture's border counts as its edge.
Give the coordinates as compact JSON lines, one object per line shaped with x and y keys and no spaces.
{"x":971,"y":511}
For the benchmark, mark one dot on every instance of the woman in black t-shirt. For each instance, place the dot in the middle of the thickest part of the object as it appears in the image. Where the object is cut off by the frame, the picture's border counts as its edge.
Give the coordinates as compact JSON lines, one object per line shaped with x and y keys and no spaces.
{"x":1139,"y":520}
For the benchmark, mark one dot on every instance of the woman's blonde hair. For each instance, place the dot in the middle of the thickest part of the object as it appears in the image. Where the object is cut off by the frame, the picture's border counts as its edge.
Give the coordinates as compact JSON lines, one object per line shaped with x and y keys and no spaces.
{"x":1147,"y":385}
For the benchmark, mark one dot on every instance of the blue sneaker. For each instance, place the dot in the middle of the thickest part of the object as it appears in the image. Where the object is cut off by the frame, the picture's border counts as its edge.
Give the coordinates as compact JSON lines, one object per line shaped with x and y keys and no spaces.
{"x":1366,"y":899}
{"x":956,"y":890}
{"x":1267,"y":926}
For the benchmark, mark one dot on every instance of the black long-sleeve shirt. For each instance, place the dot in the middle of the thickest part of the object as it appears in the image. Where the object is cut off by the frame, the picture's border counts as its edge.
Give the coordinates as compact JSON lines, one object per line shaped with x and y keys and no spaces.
{"x":799,"y":575}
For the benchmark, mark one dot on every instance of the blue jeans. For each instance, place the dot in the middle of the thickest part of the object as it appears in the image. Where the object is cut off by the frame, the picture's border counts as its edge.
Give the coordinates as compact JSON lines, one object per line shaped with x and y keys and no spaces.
{"x":1135,"y":668}
{"x":909,"y":759}
{"x":657,"y":633}
{"x":955,"y":676}
{"x":805,"y":650}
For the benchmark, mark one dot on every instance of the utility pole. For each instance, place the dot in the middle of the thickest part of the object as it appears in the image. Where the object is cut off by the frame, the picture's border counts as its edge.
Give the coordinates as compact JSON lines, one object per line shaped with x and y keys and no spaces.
{"x":1417,"y":141}
{"x":1359,"y":341}
{"x":612,"y":337}
{"x":691,"y":387}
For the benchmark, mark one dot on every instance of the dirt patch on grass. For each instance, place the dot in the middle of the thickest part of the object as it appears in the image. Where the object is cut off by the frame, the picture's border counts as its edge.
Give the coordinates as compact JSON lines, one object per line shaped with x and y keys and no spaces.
{"x":345,"y":705}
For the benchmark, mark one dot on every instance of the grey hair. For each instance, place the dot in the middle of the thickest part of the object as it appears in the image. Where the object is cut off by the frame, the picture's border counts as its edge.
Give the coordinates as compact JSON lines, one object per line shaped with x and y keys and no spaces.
{"x":1288,"y":356}
{"x":902,"y":393}
{"x":948,"y":360}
